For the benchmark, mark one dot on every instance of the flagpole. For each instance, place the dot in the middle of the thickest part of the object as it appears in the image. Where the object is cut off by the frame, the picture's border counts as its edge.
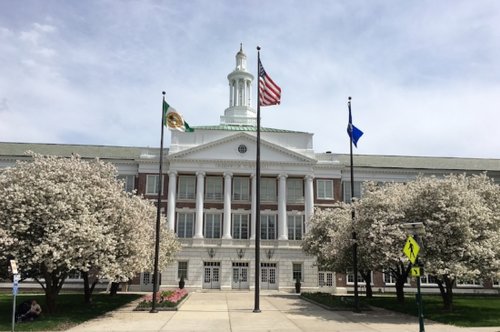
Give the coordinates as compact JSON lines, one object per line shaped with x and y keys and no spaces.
{"x":158,"y":213}
{"x":353,"y":216}
{"x":257,"y":193}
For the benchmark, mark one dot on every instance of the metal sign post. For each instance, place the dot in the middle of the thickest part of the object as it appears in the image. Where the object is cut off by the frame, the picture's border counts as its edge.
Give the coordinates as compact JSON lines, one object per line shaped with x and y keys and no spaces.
{"x":15,"y":286}
{"x":411,"y":250}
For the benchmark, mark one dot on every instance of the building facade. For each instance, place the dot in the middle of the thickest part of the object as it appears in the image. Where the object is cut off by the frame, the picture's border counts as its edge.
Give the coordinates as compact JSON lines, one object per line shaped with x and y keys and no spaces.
{"x":209,"y":197}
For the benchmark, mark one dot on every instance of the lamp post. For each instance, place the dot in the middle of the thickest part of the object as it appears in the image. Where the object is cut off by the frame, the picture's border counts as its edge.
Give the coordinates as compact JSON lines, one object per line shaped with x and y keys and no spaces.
{"x":417,"y":230}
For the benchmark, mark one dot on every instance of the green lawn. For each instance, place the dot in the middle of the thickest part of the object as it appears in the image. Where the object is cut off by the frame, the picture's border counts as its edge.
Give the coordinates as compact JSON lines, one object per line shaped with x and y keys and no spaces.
{"x":468,"y":311}
{"x":70,"y":310}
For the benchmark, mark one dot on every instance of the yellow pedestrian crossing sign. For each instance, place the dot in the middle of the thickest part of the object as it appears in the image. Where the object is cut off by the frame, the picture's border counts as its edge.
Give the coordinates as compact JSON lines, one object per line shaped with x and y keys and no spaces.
{"x":415,"y":271}
{"x":411,"y":249}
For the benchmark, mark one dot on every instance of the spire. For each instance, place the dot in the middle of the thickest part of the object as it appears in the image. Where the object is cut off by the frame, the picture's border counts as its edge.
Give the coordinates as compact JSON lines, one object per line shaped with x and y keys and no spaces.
{"x":240,"y":80}
{"x":241,"y":59}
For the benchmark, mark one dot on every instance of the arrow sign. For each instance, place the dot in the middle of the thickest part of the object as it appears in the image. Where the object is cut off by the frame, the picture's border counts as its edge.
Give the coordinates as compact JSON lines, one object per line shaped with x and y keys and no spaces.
{"x":415,"y":271}
{"x":411,"y":249}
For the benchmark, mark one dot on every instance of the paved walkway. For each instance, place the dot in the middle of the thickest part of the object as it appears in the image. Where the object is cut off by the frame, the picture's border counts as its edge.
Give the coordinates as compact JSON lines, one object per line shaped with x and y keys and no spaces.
{"x":233,"y":312}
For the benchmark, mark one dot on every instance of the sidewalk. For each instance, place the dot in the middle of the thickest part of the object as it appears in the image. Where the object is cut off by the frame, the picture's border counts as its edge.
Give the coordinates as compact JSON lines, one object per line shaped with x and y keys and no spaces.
{"x":280,"y":312}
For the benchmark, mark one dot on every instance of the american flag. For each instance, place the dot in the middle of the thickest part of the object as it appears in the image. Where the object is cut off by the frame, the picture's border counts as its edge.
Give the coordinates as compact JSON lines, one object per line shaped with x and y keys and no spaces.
{"x":270,"y":92}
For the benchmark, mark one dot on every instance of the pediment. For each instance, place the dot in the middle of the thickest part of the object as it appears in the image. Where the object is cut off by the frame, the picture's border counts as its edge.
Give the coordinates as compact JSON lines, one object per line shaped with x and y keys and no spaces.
{"x":232,"y":147}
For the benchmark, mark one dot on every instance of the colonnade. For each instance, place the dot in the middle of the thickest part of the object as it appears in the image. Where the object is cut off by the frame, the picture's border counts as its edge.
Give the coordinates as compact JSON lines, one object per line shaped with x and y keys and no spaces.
{"x":226,"y":234}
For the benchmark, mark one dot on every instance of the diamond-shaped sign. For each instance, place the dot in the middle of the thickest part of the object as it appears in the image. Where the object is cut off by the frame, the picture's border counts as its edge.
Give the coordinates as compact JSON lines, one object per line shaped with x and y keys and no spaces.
{"x":411,"y":249}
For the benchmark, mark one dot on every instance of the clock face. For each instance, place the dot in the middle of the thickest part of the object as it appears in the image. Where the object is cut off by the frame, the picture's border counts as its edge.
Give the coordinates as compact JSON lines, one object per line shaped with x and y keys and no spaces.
{"x":174,"y":120}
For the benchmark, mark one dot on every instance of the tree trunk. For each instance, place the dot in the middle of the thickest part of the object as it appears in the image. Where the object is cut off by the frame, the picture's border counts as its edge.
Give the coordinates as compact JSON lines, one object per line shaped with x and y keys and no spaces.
{"x":400,"y":290}
{"x":401,"y":275}
{"x":53,"y":284}
{"x":367,"y":276}
{"x":114,"y":288}
{"x":87,"y":288}
{"x":446,"y":290}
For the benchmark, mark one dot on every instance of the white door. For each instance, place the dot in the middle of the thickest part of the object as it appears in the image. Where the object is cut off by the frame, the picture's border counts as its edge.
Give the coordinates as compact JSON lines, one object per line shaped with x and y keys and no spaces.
{"x":268,"y":276}
{"x":240,"y":275}
{"x":211,"y":275}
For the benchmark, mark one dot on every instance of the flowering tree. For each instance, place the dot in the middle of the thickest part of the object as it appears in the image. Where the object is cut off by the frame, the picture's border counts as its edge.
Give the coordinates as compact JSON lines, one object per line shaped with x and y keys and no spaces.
{"x":461,"y":216}
{"x":330,"y":239}
{"x":64,"y":214}
{"x":381,"y":234}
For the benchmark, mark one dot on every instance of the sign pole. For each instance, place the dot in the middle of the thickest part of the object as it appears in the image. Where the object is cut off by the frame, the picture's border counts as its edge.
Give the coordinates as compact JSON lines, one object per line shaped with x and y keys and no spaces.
{"x":14,"y":294}
{"x":15,"y":285}
{"x":420,"y":307}
{"x":411,"y":250}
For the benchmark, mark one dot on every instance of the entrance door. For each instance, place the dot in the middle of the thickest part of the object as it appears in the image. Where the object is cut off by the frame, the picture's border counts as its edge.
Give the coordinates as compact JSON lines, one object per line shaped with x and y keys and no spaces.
{"x":268,"y":276}
{"x":211,"y":275}
{"x":240,"y":275}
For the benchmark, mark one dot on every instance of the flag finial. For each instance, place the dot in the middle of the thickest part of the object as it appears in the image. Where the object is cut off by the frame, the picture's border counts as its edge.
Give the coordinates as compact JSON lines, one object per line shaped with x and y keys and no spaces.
{"x":163,"y":93}
{"x":258,"y":48}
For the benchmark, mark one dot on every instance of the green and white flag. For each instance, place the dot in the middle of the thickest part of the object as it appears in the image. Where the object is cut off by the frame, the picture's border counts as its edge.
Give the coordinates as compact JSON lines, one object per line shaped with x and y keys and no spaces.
{"x":174,"y":120}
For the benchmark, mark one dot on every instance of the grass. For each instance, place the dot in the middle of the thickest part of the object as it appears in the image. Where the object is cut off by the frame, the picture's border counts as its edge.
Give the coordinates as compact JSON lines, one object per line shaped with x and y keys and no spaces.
{"x":340,"y":303}
{"x":468,"y":310}
{"x":71,"y":310}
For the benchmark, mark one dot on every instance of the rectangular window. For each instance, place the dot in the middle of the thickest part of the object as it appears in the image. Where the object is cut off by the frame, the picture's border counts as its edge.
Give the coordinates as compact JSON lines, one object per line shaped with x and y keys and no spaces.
{"x":389,"y":279}
{"x":428,"y":280}
{"x":128,"y":182}
{"x":267,"y":227}
{"x":361,"y":281}
{"x":347,"y":190}
{"x":240,"y":226}
{"x":152,"y":185}
{"x":213,"y":225}
{"x":324,"y":189}
{"x":295,"y":227}
{"x":185,"y":225}
{"x":469,"y":283}
{"x":294,"y":190}
{"x":297,"y":271}
{"x":268,"y":189}
{"x":74,"y":274}
{"x":182,"y":269}
{"x":241,"y":191}
{"x":187,"y":187}
{"x":146,"y":278}
{"x":213,"y":188}
{"x":325,"y":279}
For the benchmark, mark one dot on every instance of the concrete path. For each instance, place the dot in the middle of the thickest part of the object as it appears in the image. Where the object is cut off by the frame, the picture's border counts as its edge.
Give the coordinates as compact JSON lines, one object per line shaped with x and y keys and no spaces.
{"x":233,"y":312}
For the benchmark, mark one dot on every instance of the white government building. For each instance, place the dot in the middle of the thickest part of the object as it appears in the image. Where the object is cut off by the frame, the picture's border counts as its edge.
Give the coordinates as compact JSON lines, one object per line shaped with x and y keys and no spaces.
{"x":209,"y":195}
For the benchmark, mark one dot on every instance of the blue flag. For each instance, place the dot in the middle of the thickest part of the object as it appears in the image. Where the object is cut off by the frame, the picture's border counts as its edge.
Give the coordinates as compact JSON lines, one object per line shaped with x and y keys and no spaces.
{"x":353,"y":132}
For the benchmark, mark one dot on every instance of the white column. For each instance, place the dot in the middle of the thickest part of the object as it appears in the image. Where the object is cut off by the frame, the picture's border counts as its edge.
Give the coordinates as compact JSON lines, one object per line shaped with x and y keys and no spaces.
{"x":230,"y":94}
{"x":237,"y":92}
{"x":227,"y":206}
{"x":200,"y":193}
{"x":309,"y":199}
{"x":249,"y":101}
{"x":172,"y":188}
{"x":253,"y":217}
{"x":282,"y":227}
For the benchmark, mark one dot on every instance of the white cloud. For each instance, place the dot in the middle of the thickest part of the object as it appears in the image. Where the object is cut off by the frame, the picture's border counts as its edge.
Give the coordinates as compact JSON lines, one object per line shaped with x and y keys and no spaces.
{"x":424,"y":76}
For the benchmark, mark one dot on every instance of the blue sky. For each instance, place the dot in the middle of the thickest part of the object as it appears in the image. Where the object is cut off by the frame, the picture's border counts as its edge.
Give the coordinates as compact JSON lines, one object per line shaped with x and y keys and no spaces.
{"x":424,"y":75}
